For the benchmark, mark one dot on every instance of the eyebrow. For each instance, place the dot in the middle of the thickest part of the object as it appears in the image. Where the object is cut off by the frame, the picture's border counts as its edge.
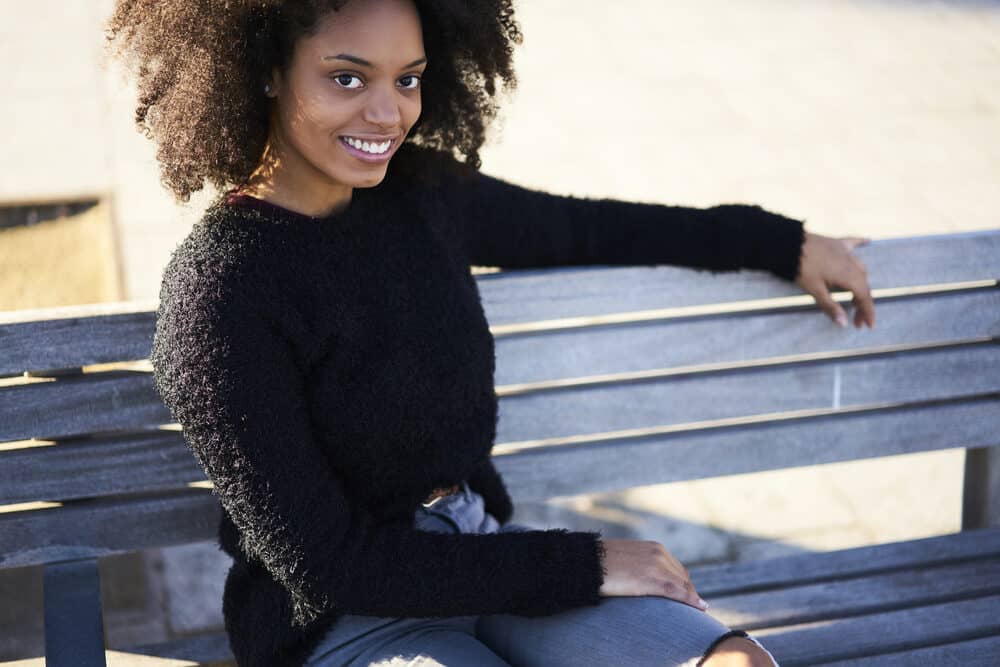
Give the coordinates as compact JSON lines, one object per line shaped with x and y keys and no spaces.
{"x":364,"y":63}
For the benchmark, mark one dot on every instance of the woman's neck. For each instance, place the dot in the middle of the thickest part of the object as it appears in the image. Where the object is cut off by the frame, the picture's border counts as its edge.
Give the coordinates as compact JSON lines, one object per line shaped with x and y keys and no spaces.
{"x":283,"y":183}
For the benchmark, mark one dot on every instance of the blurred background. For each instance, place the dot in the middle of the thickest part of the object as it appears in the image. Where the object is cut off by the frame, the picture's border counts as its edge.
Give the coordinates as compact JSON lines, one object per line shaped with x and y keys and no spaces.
{"x":861,"y":117}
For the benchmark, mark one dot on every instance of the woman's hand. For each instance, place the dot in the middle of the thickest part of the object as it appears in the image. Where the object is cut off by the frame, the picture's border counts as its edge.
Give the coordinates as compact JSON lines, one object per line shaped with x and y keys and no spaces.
{"x":828,"y":262}
{"x":641,"y":567}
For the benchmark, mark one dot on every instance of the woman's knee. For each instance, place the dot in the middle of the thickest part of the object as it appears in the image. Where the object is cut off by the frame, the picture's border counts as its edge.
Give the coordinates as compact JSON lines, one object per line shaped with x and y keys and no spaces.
{"x":738,"y":652}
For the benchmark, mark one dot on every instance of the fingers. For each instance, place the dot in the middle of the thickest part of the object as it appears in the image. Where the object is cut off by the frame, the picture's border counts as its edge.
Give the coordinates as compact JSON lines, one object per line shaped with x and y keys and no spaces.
{"x":829,"y":263}
{"x":677,"y":584}
{"x":645,"y":567}
{"x":682,"y":590}
{"x":864,"y":304}
{"x":827,"y":304}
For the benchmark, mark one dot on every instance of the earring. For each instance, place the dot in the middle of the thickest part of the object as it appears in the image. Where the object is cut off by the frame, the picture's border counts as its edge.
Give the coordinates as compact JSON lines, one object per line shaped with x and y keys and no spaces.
{"x":267,"y":88}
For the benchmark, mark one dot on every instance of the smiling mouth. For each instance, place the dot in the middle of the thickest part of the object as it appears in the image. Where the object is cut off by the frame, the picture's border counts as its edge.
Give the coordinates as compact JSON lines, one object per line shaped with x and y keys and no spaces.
{"x":368,"y":146}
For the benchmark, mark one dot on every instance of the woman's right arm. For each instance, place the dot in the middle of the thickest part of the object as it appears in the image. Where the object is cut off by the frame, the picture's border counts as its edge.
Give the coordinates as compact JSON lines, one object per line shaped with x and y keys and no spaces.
{"x":235,"y":383}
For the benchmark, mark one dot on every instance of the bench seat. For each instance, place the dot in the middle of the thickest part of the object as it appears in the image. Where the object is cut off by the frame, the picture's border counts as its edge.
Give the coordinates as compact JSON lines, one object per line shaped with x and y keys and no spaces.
{"x":935,"y":599}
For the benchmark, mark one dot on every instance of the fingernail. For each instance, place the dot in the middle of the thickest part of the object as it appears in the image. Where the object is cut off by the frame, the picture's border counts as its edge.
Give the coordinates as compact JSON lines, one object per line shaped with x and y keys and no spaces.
{"x":702,"y":604}
{"x":842,"y":319}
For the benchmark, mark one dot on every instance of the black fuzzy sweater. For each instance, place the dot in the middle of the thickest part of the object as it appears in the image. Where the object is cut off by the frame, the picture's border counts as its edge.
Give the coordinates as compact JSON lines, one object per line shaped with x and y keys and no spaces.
{"x":329,"y":372}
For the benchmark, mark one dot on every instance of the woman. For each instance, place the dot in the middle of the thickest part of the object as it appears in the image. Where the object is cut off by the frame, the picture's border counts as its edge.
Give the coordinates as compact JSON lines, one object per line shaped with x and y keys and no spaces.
{"x":321,"y":341}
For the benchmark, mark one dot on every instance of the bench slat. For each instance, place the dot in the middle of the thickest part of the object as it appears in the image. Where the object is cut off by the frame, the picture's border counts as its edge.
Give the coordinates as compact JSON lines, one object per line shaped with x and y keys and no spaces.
{"x":980,"y":652}
{"x":536,"y":473}
{"x":96,"y":402}
{"x":519,"y":296}
{"x":761,"y":575}
{"x":80,"y":404}
{"x":90,"y":529}
{"x":893,"y":631}
{"x":596,"y":350}
{"x":920,"y":585}
{"x":906,"y":377}
{"x":161,"y":460}
{"x":70,"y":342}
{"x":157,"y":461}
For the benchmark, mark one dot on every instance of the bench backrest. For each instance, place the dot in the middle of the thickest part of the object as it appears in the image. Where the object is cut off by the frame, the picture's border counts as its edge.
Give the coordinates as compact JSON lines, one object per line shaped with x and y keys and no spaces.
{"x":608,"y":377}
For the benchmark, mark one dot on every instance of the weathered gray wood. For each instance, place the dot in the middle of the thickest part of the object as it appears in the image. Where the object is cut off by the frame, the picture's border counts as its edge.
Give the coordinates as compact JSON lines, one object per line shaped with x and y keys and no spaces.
{"x":893,"y":631}
{"x":919,"y":586}
{"x":156,"y":461}
{"x":720,"y":339}
{"x":981,"y":652}
{"x":519,"y":296}
{"x":536,"y":471}
{"x":981,"y":488}
{"x":80,"y":404}
{"x":89,"y":529}
{"x":761,"y":575}
{"x":74,"y":625}
{"x":209,"y":649}
{"x":68,"y":337}
{"x":126,"y":399}
{"x":160,"y":460}
{"x":676,"y":397}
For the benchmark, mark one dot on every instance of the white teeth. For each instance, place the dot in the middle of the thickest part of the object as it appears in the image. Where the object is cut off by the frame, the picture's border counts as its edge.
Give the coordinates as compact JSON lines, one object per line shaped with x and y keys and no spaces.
{"x":373,"y":148}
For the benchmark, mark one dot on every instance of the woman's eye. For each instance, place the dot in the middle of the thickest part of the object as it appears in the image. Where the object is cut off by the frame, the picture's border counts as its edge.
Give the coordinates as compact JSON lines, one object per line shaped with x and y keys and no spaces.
{"x":409,"y":81}
{"x":348,"y":80}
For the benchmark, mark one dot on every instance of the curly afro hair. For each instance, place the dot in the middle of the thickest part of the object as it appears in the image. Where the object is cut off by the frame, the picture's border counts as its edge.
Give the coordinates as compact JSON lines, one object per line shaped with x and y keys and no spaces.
{"x":201,"y":65}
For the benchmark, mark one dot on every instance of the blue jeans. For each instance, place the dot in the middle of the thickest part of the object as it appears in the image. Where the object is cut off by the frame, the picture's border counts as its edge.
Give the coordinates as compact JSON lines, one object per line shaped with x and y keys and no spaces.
{"x":620,"y":631}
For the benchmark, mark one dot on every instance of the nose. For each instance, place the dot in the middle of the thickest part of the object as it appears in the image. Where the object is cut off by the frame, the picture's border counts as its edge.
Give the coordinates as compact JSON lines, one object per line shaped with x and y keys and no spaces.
{"x":382,"y":109}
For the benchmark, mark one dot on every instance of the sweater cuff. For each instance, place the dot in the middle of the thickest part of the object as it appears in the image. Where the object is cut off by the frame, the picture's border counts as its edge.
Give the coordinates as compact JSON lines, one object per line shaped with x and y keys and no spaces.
{"x":771,"y":241}
{"x":579,"y":579}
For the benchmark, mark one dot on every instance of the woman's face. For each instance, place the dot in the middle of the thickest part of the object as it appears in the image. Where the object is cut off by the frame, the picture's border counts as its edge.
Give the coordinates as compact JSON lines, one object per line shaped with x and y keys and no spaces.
{"x":350,"y":95}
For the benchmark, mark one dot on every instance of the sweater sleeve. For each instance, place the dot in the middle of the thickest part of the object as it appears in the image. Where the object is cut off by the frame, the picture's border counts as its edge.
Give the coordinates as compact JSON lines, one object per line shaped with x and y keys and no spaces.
{"x":236,"y":385}
{"x":486,"y":481}
{"x":509,"y":226}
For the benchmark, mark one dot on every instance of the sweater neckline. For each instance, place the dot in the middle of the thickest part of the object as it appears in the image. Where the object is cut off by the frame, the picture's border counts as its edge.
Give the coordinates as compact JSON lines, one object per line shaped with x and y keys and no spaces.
{"x":275,"y":212}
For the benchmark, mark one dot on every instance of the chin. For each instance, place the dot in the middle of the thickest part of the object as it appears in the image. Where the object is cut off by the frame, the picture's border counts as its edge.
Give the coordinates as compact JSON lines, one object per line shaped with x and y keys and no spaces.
{"x":368,"y":180}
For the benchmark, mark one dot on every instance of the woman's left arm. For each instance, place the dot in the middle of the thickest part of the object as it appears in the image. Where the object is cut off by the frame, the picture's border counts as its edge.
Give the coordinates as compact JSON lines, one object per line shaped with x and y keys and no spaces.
{"x":505,"y":225}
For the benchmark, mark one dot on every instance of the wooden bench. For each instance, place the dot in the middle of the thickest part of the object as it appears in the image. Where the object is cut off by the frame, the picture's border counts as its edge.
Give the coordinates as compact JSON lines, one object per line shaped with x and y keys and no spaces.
{"x":609,"y":378}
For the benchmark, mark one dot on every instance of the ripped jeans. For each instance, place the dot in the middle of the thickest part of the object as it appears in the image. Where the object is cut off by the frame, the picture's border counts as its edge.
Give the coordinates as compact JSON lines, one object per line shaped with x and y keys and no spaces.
{"x":619,"y":631}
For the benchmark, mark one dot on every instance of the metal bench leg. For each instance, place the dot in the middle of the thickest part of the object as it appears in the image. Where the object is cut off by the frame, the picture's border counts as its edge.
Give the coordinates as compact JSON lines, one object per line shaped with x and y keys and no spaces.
{"x":981,"y":490}
{"x":74,"y":625}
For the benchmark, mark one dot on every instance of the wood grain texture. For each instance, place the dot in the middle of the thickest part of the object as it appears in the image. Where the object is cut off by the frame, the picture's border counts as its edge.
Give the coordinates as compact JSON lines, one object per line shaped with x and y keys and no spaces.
{"x":722,"y":339}
{"x":777,"y":573}
{"x":67,"y":342}
{"x":156,"y":461}
{"x":678,"y":397}
{"x":95,"y":528}
{"x":892,"y":631}
{"x":81,"y":404}
{"x":535,"y":471}
{"x":919,"y":585}
{"x":980,"y":652}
